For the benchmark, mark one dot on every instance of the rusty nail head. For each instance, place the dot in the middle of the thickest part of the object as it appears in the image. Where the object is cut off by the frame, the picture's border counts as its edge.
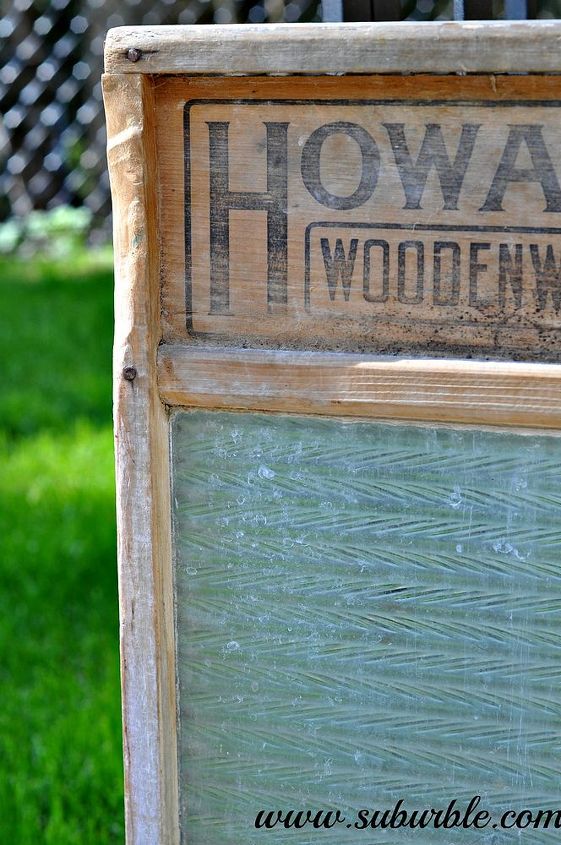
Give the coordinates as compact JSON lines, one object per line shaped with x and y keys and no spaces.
{"x":133,"y":54}
{"x":129,"y":373}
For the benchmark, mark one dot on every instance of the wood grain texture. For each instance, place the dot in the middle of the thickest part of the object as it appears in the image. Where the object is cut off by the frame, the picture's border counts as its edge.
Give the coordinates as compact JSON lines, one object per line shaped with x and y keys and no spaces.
{"x":485,"y":393}
{"x":446,"y":188}
{"x":434,"y":47}
{"x":142,"y":474}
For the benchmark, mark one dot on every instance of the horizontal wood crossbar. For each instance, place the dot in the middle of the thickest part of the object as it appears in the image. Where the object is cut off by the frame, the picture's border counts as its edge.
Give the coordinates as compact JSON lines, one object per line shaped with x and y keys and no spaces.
{"x":443,"y":47}
{"x":473,"y":392}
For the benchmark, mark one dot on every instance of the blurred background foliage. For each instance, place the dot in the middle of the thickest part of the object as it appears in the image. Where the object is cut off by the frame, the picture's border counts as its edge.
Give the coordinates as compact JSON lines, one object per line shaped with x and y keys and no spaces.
{"x":61,"y":778}
{"x":60,"y":732}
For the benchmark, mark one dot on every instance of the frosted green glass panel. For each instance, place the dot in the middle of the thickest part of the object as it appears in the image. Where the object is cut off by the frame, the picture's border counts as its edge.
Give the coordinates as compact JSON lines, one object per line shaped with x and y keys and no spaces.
{"x":365,"y":612}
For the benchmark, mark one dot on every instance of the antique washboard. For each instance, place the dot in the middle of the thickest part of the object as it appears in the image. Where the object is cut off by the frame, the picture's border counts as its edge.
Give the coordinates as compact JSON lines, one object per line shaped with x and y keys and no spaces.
{"x":337,"y":415}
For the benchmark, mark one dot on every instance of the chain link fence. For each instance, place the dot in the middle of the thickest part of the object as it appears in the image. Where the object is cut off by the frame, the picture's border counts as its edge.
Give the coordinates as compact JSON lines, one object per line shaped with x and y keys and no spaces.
{"x":52,"y":132}
{"x":52,"y":126}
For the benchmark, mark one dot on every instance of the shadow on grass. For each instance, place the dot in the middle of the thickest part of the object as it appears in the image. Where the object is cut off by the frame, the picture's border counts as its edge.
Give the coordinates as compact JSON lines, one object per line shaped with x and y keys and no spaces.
{"x":60,"y":738}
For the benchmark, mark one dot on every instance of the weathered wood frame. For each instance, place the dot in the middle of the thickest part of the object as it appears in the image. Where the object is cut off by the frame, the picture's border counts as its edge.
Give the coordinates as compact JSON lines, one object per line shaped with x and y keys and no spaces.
{"x":149,"y":379}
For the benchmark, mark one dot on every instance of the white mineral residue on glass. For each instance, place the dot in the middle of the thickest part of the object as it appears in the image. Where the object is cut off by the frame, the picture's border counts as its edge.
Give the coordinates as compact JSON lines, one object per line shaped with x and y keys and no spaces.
{"x":365,"y":613}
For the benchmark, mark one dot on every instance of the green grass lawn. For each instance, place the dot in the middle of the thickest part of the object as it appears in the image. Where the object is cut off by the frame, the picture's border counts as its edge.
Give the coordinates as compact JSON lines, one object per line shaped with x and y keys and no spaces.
{"x":60,"y":734}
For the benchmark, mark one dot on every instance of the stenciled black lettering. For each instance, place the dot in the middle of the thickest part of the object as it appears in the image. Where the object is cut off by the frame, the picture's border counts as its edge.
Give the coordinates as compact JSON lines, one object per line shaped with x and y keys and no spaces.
{"x":402,"y":295}
{"x":339,"y":266}
{"x":452,"y":296}
{"x":369,"y":245}
{"x":511,"y":271}
{"x":548,"y":277}
{"x":433,"y":153}
{"x":542,"y":170}
{"x":311,"y":165}
{"x":222,"y":200}
{"x":475,"y":268}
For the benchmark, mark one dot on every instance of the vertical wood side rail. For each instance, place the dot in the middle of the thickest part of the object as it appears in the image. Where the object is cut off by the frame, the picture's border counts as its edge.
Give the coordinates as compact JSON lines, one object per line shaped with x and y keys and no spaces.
{"x":142,"y":473}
